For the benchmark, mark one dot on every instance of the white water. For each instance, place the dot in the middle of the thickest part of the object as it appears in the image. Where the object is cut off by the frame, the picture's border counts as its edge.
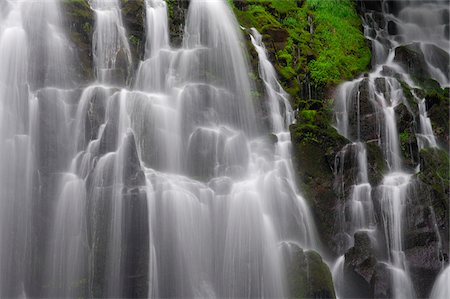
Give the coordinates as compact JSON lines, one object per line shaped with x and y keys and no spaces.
{"x":416,"y":22}
{"x":164,"y":183}
{"x":441,"y":288}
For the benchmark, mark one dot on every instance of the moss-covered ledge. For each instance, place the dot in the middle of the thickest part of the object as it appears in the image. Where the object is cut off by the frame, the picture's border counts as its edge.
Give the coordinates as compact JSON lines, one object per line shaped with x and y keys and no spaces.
{"x":304,"y":41}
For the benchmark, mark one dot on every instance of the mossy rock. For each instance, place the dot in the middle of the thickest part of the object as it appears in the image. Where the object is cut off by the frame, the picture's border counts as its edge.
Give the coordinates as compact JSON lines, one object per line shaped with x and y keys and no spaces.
{"x":133,"y":12}
{"x":437,"y":102}
{"x":80,"y":21}
{"x":376,"y":163}
{"x":308,"y":59}
{"x":411,"y":58}
{"x":308,"y":276}
{"x":314,"y":151}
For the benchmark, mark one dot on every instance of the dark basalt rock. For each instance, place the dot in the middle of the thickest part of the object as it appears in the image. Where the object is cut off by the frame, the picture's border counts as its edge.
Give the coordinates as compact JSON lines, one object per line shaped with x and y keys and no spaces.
{"x":359,"y":266}
{"x":177,"y":10}
{"x":367,"y":120}
{"x":314,"y":152}
{"x":422,"y":245}
{"x":364,"y":5}
{"x":307,"y":275}
{"x":80,"y":21}
{"x":381,"y":282}
{"x":406,"y":126}
{"x":132,"y":172}
{"x":133,"y":14}
{"x":136,"y":249}
{"x":411,"y":58}
{"x":438,"y":57}
{"x":392,"y":28}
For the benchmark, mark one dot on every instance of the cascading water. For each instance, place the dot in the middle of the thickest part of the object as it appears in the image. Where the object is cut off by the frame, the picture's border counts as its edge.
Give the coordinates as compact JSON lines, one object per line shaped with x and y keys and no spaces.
{"x":441,"y":288}
{"x":161,"y":184}
{"x":365,"y":112}
{"x":34,"y":60}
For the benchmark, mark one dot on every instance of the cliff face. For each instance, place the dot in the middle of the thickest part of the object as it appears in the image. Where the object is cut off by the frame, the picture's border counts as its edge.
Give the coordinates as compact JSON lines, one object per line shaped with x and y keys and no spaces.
{"x":316,"y":45}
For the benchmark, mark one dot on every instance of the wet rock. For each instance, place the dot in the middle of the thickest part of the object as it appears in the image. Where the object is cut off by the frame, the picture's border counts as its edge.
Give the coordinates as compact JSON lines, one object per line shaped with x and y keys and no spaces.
{"x":132,"y":172}
{"x":369,"y":5}
{"x":380,"y":284}
{"x":379,"y":19}
{"x":359,"y":265}
{"x":437,"y":101}
{"x":278,"y":37}
{"x":133,"y":14}
{"x":411,"y":58}
{"x":177,"y":10}
{"x":108,"y":139}
{"x":136,"y":244}
{"x":377,"y":165}
{"x":364,"y":115}
{"x":80,"y":22}
{"x":392,"y":28}
{"x":307,"y":275}
{"x":54,"y":142}
{"x":314,"y":152}
{"x":438,"y":57}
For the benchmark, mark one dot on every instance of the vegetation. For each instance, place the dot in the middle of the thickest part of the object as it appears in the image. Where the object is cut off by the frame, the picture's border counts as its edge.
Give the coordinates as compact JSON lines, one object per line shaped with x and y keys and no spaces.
{"x":305,"y":39}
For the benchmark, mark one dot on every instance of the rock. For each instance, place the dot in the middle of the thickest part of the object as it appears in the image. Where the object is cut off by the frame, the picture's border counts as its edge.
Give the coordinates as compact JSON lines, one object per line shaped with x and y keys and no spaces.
{"x":359,"y":266}
{"x":133,"y":14}
{"x":177,"y":10}
{"x":434,"y":173}
{"x":80,"y":21}
{"x":411,"y":58}
{"x":314,"y":152}
{"x":392,"y":28}
{"x":379,"y":19}
{"x":422,"y":245}
{"x":363,"y":113}
{"x":377,"y":165}
{"x":438,"y":57}
{"x":307,"y":275}
{"x":278,"y":37}
{"x":133,"y":175}
{"x":380,"y":284}
{"x":437,"y":101}
{"x":136,"y":244}
{"x":365,"y":6}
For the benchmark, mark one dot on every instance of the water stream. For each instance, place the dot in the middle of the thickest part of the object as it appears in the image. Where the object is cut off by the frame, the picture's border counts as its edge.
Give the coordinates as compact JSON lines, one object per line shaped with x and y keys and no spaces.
{"x":365,"y":112}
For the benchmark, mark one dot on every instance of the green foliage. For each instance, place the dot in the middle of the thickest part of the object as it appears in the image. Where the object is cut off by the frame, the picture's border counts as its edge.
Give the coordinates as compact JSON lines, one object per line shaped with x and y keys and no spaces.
{"x":342,"y":51}
{"x":87,"y":28}
{"x":335,"y":50}
{"x":435,"y":170}
{"x":308,"y":276}
{"x":135,"y":41}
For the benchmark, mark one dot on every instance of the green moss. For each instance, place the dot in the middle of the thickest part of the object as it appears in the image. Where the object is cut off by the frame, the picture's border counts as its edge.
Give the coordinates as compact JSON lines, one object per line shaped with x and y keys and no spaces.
{"x":376,"y":163}
{"x":308,"y":276}
{"x":342,"y":51}
{"x":299,"y":55}
{"x":435,"y":172}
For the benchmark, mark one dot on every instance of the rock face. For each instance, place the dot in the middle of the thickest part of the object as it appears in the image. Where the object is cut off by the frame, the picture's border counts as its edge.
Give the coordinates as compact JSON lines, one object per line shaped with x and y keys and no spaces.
{"x":359,"y":266}
{"x":79,"y":18}
{"x":411,"y":58}
{"x":314,"y":151}
{"x":307,"y":275}
{"x":133,"y":13}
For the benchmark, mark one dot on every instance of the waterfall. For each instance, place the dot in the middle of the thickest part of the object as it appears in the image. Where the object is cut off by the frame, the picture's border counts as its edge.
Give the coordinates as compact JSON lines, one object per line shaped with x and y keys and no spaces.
{"x":156,"y":183}
{"x":365,"y":112}
{"x":441,"y":286}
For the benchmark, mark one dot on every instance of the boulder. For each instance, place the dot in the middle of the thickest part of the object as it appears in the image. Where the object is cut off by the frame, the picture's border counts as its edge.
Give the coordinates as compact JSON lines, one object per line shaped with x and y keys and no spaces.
{"x":359,"y":266}
{"x":411,"y":58}
{"x":381,"y":282}
{"x":307,"y":275}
